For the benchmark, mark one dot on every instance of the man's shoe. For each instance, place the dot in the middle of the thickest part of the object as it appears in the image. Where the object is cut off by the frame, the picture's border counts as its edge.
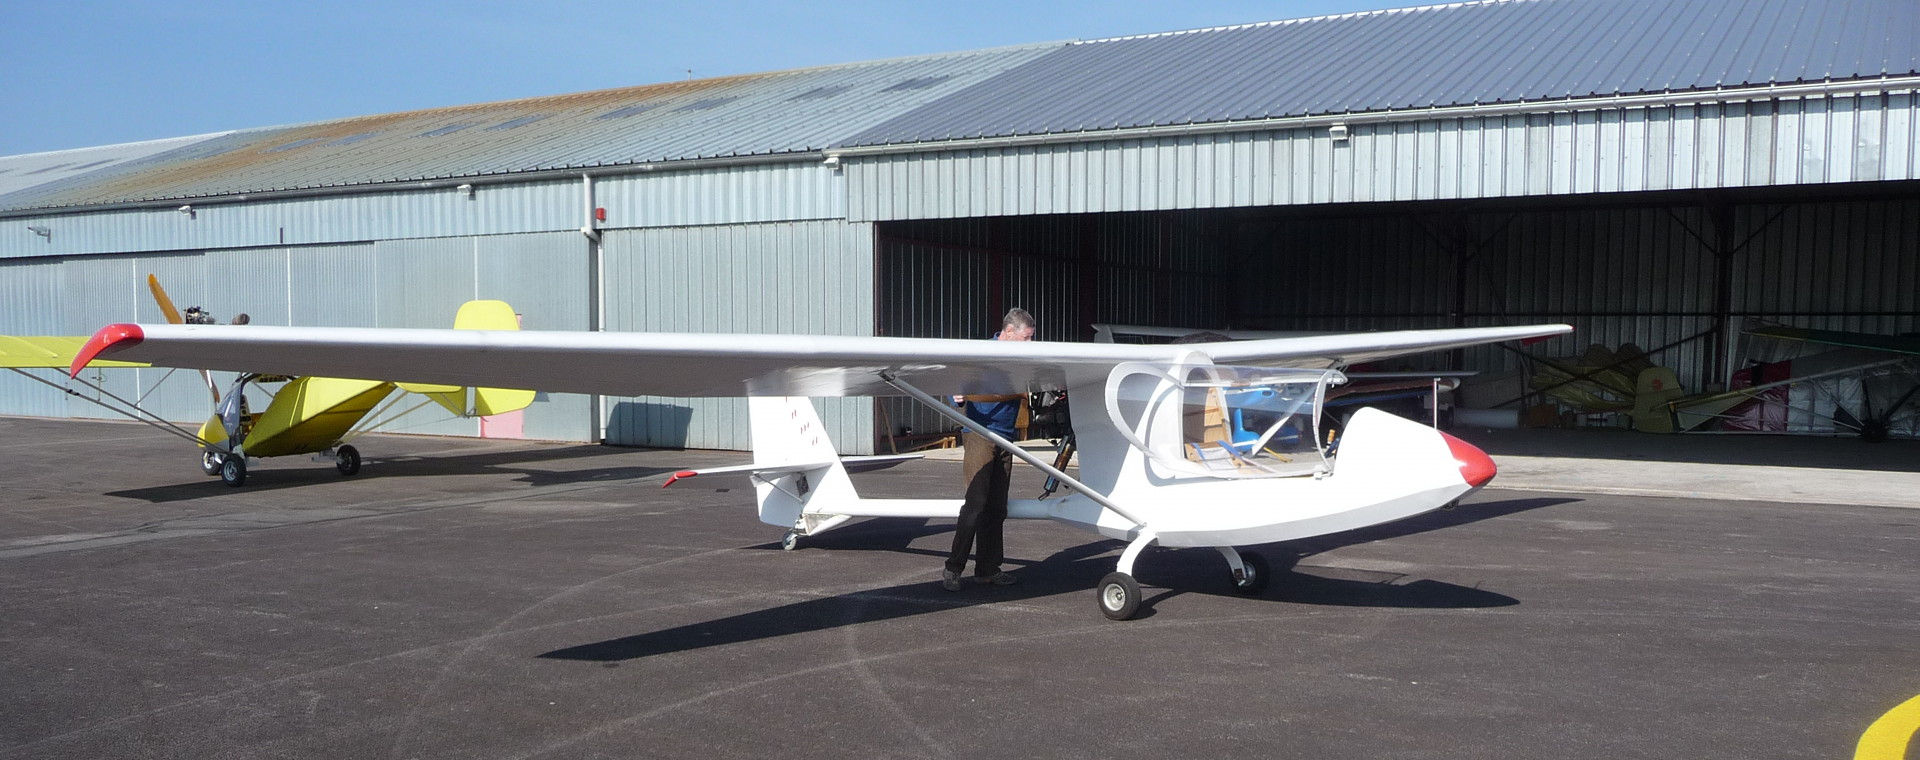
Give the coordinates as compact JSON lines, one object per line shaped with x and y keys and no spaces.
{"x":949,"y":580}
{"x":998,"y":579}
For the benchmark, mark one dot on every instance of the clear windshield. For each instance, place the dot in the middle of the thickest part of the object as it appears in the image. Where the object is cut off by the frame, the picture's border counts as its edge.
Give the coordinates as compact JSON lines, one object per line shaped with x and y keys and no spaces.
{"x":1225,"y":421}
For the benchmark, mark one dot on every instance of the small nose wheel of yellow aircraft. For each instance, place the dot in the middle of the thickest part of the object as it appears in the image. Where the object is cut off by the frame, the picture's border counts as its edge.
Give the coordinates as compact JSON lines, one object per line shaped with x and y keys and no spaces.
{"x":1119,"y":596}
{"x":347,"y":460}
{"x":210,"y":462}
{"x":233,"y":470}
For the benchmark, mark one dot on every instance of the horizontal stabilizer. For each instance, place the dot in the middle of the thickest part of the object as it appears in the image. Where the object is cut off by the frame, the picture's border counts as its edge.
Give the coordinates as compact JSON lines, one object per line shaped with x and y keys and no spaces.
{"x":485,"y":402}
{"x":852,"y":464}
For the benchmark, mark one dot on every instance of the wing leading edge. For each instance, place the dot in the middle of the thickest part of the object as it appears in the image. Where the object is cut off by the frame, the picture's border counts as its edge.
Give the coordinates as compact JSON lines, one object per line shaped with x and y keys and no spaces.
{"x":720,"y":365}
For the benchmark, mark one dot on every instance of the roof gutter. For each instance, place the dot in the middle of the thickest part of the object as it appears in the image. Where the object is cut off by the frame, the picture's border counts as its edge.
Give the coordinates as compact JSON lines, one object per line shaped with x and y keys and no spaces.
{"x":574,"y":174}
{"x":1664,"y":99}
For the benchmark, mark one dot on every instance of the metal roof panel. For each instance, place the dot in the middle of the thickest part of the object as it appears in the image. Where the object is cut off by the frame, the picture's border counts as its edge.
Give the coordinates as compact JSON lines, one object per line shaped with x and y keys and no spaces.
{"x":1495,"y":51}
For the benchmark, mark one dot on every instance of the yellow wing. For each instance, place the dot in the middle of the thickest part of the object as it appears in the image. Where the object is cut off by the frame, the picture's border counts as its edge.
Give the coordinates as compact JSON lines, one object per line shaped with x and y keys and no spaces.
{"x":24,"y":351}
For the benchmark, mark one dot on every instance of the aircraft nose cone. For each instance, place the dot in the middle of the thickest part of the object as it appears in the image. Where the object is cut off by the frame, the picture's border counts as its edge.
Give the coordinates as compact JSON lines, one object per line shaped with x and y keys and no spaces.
{"x":1475,"y":466}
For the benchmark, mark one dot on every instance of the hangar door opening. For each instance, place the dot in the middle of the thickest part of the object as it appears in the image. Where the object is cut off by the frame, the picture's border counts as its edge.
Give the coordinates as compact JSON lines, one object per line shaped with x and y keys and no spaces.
{"x":1680,"y":278}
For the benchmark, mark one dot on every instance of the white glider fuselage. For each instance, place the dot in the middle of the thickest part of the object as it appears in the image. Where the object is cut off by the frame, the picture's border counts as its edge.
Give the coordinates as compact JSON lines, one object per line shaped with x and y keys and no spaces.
{"x":1387,"y":468}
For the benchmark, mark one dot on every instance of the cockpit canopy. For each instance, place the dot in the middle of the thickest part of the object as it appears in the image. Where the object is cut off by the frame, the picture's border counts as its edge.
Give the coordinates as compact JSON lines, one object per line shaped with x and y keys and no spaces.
{"x":1223,"y":421}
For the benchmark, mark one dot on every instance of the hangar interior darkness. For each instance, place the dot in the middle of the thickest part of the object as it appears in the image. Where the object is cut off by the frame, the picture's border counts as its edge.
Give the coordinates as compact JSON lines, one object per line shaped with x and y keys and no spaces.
{"x":1678,"y":274}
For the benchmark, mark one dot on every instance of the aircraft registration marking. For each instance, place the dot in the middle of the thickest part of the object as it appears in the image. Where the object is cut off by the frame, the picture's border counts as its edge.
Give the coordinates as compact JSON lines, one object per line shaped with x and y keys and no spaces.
{"x":1887,"y":738}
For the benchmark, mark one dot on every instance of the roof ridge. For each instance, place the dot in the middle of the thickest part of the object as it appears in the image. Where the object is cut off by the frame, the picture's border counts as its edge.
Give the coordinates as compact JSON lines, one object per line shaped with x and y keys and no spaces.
{"x":1302,"y":20}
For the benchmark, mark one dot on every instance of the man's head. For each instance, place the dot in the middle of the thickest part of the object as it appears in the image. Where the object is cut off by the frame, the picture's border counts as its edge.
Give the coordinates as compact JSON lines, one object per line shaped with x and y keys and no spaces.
{"x":1017,"y":325}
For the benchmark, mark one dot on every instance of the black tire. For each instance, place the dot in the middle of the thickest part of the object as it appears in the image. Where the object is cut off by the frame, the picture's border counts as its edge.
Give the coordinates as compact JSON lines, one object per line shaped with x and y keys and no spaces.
{"x":347,"y":460}
{"x":210,"y":462}
{"x":1118,"y":596}
{"x":790,"y":541}
{"x":1257,"y":576}
{"x":233,"y":470}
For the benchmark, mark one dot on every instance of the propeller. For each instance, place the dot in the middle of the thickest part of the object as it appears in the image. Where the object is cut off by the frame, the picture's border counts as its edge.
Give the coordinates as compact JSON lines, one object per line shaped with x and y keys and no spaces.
{"x":174,"y":318}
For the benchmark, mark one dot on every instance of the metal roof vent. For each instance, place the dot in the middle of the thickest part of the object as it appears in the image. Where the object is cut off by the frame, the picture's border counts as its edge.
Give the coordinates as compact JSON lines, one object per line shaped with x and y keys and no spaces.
{"x":446,"y":130}
{"x":821,"y":92}
{"x":520,"y":122}
{"x":709,"y":103}
{"x":625,"y":111}
{"x":295,"y":144}
{"x":918,"y":83}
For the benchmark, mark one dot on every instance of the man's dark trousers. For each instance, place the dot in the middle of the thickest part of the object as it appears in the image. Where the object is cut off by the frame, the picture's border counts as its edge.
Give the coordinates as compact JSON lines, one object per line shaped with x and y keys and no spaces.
{"x":987,"y":471}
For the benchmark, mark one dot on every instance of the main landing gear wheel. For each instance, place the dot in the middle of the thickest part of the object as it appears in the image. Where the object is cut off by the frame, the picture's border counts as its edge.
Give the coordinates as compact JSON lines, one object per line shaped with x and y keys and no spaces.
{"x":1254,"y":579}
{"x":1119,"y":596}
{"x":233,"y":470}
{"x":347,"y":460}
{"x":790,"y":541}
{"x":210,"y":462}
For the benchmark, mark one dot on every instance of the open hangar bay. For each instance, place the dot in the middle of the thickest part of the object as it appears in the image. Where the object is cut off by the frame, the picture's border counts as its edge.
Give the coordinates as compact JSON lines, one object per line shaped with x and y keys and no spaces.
{"x":489,"y":599}
{"x":1653,"y":195}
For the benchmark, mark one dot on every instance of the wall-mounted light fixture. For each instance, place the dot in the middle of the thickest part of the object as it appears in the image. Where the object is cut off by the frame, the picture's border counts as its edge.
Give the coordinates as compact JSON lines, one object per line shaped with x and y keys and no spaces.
{"x":467,"y":189}
{"x":1338,"y":132}
{"x":41,"y":231}
{"x":188,"y":210}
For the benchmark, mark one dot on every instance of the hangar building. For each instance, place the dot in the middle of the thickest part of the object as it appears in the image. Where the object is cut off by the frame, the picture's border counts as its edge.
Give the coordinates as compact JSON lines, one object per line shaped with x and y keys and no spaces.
{"x":1651,"y":171}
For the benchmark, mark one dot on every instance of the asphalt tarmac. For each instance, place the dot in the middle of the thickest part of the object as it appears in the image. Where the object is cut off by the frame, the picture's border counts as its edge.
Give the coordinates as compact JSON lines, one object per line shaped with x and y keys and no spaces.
{"x":476,"y":599}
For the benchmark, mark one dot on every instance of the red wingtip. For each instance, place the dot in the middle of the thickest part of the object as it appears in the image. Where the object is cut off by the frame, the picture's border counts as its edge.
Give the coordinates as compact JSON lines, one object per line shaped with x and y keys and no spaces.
{"x":1475,"y":466}
{"x":109,"y":338}
{"x":679,"y":475}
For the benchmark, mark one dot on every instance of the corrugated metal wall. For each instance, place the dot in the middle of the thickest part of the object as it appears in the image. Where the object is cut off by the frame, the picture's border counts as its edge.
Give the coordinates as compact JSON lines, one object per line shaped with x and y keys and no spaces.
{"x":740,"y":194}
{"x":436,"y":212}
{"x":733,"y":195}
{"x":1852,"y":138}
{"x":412,"y":283}
{"x":1618,"y":275}
{"x":1639,"y":274}
{"x":810,"y":278}
{"x":1851,"y":265}
{"x":956,"y":279}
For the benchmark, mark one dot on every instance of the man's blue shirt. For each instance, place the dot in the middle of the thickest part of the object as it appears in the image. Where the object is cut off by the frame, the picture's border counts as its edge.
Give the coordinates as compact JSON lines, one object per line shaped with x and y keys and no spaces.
{"x":998,"y":416}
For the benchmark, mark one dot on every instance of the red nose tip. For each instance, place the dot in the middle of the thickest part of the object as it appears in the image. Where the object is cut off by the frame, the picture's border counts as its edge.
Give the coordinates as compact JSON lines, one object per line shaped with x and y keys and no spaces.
{"x":1475,"y":466}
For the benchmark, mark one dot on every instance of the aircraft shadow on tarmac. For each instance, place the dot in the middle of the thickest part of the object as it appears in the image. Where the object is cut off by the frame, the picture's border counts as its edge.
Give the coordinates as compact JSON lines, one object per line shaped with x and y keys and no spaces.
{"x":1074,"y":570}
{"x":301,"y":472}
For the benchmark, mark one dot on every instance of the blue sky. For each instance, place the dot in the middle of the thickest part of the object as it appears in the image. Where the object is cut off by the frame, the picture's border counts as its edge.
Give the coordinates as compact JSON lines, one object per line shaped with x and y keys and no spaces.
{"x":87,"y":72}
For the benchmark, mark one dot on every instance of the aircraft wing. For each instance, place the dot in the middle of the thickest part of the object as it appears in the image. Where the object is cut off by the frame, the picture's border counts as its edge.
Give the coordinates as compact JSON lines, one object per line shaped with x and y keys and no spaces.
{"x":1893,"y":344}
{"x":719,"y":364}
{"x":24,"y":352}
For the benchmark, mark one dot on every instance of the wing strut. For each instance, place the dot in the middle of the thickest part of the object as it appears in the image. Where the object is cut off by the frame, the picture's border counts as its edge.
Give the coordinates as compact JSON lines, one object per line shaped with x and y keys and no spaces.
{"x":947,"y":410}
{"x":138,"y":414}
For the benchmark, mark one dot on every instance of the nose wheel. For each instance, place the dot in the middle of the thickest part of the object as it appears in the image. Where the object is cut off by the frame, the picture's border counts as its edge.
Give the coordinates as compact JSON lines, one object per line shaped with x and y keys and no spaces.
{"x":1252,"y":576}
{"x":347,"y":460}
{"x":1119,"y":596}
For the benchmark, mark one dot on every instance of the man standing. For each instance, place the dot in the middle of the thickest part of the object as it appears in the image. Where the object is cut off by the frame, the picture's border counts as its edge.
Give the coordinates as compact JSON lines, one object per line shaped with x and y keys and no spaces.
{"x":988,"y":470}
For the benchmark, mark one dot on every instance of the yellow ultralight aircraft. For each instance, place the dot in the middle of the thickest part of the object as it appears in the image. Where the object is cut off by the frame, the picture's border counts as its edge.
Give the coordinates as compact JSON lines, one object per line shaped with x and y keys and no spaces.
{"x":307,"y":415}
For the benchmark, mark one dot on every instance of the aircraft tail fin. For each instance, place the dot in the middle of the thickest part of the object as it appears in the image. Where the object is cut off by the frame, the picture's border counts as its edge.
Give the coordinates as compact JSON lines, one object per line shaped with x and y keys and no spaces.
{"x":801,"y":483}
{"x":1653,"y":389}
{"x":798,"y":477}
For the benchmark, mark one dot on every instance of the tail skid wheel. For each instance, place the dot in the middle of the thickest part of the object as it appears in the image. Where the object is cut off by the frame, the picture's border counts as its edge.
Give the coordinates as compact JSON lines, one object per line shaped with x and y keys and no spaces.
{"x":1119,"y":596}
{"x":347,"y":460}
{"x":233,"y":470}
{"x":790,"y":541}
{"x":210,"y":462}
{"x":1254,"y":575}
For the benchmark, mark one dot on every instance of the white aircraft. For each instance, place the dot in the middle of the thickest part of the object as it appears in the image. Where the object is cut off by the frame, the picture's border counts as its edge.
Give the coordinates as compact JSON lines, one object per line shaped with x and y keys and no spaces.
{"x":1202,"y":445}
